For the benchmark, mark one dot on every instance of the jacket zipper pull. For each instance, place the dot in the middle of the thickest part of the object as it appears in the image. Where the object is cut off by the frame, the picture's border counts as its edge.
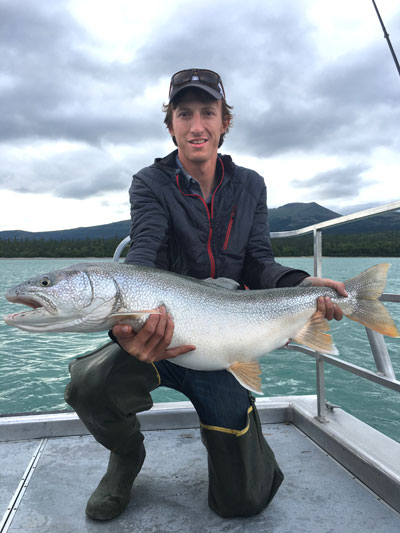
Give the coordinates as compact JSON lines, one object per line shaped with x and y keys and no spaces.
{"x":228,"y":232}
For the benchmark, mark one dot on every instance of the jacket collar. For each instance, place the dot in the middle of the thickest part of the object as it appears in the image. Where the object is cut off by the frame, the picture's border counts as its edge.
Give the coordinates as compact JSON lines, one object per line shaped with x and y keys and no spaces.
{"x":169,"y":162}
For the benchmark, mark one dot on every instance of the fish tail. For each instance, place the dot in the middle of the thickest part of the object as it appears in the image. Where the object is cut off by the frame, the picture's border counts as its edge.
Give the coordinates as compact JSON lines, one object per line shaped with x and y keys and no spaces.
{"x":367,"y":287}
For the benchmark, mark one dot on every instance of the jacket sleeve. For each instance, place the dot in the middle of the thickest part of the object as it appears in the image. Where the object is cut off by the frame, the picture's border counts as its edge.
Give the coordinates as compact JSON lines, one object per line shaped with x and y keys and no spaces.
{"x":261,"y":271}
{"x":149,"y":227}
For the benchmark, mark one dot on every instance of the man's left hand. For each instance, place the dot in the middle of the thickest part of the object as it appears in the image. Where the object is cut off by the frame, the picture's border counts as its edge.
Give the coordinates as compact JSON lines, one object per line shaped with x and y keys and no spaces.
{"x":324,"y":304}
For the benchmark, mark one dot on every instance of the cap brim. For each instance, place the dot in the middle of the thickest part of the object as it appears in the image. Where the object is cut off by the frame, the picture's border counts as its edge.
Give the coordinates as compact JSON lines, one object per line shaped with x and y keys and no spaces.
{"x":199,"y":85}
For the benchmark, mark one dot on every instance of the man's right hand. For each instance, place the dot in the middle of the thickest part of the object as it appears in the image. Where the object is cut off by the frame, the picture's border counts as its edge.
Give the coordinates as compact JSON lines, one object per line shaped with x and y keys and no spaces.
{"x":151,"y":342}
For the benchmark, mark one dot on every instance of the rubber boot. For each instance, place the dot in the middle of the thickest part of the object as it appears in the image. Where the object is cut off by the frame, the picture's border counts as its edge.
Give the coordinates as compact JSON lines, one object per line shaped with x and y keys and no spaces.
{"x":108,"y":388}
{"x":112,"y":495}
{"x":243,"y":473}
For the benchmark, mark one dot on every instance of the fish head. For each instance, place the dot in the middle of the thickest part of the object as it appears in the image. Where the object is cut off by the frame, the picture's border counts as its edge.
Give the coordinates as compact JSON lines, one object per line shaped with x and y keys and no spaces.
{"x":62,"y":300}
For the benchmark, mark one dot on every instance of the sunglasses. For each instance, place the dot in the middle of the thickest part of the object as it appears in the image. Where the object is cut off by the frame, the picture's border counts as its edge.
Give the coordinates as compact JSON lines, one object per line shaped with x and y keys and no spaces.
{"x":209,"y":77}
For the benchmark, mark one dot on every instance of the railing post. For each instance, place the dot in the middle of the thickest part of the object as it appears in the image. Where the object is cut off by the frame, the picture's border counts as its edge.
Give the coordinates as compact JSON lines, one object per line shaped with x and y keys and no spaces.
{"x":321,"y":401}
{"x":381,"y":354}
{"x":317,"y":253}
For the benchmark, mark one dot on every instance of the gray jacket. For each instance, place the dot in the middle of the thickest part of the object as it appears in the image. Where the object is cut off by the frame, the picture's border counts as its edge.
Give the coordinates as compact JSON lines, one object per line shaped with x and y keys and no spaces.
{"x":175,"y":229}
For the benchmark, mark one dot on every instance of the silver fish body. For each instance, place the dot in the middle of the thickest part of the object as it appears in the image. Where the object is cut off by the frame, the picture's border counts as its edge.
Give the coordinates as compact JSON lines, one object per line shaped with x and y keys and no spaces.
{"x":230,"y":328}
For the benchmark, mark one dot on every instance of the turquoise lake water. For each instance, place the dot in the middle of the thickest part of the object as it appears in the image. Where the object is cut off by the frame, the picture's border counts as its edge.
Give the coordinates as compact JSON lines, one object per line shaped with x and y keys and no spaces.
{"x":34,"y":367}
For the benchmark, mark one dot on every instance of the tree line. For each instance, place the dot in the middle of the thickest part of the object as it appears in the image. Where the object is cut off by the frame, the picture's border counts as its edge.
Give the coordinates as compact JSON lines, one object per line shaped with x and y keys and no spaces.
{"x":385,"y":244}
{"x":59,"y":248}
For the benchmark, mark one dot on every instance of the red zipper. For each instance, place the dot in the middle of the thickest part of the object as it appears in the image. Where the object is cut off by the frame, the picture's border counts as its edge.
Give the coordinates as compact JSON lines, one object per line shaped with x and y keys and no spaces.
{"x":228,"y":232}
{"x":209,"y":215}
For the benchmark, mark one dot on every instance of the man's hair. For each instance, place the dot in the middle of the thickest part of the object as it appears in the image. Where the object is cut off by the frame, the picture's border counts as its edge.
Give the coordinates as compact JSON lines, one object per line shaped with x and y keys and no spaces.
{"x":203,"y":97}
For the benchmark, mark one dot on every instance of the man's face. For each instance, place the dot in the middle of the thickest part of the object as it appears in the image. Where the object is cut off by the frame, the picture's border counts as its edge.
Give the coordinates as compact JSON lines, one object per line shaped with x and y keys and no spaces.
{"x":197,"y":127}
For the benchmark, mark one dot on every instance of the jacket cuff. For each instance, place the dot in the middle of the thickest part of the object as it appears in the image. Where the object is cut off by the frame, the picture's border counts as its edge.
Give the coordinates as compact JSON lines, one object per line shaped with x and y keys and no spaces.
{"x":292,"y":279}
{"x":113,"y":337}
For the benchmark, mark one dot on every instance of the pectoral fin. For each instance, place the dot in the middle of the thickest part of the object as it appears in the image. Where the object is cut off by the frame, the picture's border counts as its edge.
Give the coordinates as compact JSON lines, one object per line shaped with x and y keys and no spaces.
{"x":248,"y":375}
{"x":135,"y":314}
{"x":313,"y":335}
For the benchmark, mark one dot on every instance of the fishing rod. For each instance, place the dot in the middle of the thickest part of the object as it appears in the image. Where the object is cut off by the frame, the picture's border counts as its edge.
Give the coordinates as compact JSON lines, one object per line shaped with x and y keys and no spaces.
{"x":386,"y":35}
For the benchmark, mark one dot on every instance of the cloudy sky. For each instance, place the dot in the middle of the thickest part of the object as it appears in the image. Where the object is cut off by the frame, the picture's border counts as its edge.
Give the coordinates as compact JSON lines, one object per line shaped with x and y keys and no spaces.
{"x":315,"y":92}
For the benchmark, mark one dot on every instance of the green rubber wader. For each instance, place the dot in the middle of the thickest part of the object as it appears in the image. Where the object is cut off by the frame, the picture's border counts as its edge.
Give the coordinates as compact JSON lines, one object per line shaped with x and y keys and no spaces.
{"x":108,"y":388}
{"x":243,"y":473}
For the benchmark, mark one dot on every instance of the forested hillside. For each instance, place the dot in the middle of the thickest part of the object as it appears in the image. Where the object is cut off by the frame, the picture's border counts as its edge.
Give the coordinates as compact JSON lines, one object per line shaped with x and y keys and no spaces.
{"x":384,"y":244}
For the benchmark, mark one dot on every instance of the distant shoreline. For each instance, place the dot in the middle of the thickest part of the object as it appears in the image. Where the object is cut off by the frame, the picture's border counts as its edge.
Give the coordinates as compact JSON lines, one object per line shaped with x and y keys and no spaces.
{"x":276,"y":257}
{"x":384,"y":244}
{"x":44,"y":258}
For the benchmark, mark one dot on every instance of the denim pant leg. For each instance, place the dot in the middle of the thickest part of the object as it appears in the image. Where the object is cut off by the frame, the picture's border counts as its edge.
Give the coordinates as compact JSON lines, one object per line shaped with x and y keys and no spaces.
{"x":219,"y":399}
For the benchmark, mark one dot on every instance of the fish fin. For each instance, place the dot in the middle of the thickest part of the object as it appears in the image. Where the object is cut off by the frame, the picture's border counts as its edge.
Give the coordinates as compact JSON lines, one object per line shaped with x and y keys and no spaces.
{"x":135,"y":314}
{"x":222,"y":283}
{"x":313,"y":335}
{"x":248,"y":374}
{"x":370,"y":284}
{"x":370,"y":312}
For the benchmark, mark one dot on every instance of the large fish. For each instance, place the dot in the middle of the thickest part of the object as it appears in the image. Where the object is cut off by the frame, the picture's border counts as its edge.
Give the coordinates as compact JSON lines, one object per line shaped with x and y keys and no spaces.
{"x":230,"y":328}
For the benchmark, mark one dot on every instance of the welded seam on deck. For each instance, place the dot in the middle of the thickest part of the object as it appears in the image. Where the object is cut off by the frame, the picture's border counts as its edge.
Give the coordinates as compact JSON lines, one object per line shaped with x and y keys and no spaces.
{"x":20,"y":491}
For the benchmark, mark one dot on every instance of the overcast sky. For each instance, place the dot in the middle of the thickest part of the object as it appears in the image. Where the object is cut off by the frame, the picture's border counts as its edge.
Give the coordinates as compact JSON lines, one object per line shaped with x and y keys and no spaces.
{"x":316,"y":99}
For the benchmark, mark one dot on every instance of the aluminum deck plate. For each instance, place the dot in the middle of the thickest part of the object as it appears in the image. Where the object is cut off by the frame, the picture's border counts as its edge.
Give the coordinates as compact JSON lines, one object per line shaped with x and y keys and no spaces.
{"x":170,"y":494}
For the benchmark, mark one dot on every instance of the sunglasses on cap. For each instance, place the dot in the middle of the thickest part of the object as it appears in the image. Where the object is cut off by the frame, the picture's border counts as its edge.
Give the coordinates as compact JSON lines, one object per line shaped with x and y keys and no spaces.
{"x":208,"y":80}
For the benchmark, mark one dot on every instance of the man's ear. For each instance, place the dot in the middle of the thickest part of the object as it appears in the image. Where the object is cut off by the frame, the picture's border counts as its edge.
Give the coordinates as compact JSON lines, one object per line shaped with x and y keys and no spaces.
{"x":225,"y":125}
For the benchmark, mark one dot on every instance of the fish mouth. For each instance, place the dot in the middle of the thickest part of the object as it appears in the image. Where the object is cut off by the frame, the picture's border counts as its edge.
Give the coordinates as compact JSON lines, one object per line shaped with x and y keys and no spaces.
{"x":40,"y":306}
{"x":28,"y":301}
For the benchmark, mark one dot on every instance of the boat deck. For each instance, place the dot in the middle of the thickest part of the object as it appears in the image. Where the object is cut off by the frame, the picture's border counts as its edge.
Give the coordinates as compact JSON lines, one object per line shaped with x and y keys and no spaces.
{"x":170,"y":493}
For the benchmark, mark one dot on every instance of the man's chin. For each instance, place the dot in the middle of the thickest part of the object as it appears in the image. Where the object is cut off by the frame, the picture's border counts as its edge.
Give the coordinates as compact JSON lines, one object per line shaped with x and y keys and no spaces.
{"x":197,"y":158}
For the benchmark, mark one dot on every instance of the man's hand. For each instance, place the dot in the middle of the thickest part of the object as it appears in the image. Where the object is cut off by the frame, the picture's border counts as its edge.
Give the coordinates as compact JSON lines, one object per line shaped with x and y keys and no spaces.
{"x":324,"y":304}
{"x":151,"y":342}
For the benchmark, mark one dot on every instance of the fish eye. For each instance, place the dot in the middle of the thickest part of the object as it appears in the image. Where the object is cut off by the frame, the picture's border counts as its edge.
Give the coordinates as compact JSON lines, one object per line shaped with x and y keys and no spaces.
{"x":45,"y":282}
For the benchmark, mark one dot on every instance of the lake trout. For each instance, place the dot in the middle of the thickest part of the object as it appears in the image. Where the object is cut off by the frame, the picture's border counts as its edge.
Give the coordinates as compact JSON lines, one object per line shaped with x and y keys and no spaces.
{"x":230,"y":328}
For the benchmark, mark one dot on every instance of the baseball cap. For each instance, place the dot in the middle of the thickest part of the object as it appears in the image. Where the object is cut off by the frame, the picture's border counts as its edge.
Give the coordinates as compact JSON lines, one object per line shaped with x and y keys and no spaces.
{"x":204,"y":79}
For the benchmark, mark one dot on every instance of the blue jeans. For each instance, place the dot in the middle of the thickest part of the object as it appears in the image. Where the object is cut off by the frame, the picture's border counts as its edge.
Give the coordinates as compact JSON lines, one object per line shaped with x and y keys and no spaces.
{"x":217,"y":396}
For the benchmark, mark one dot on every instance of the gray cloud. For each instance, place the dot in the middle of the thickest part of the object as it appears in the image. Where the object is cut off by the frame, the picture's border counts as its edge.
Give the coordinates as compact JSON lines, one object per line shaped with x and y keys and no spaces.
{"x":54,"y":86}
{"x":81,"y":186}
{"x":349,"y":106}
{"x":338,"y":183}
{"x":57,"y":89}
{"x":61,"y":91}
{"x":79,"y":173}
{"x":357,"y":207}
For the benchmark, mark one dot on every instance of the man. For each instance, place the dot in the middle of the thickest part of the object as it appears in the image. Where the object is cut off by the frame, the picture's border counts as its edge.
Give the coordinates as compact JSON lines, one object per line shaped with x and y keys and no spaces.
{"x":196,"y":213}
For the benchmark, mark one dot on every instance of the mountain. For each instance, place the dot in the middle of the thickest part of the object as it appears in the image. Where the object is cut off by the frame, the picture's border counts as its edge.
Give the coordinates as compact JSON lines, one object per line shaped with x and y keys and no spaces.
{"x":104,"y":231}
{"x":287,"y":217}
{"x":298,"y":215}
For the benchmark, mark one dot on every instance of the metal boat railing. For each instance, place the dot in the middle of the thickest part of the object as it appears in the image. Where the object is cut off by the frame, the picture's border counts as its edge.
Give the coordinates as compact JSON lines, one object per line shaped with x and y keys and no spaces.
{"x":384,"y":375}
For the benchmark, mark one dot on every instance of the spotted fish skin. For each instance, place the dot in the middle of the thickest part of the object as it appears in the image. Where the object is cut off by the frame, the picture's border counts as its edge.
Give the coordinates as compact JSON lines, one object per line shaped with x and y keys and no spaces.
{"x":229,"y":328}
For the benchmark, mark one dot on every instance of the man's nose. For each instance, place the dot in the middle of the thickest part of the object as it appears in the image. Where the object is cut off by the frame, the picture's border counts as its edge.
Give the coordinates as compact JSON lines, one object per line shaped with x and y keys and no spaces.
{"x":197,"y":123}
